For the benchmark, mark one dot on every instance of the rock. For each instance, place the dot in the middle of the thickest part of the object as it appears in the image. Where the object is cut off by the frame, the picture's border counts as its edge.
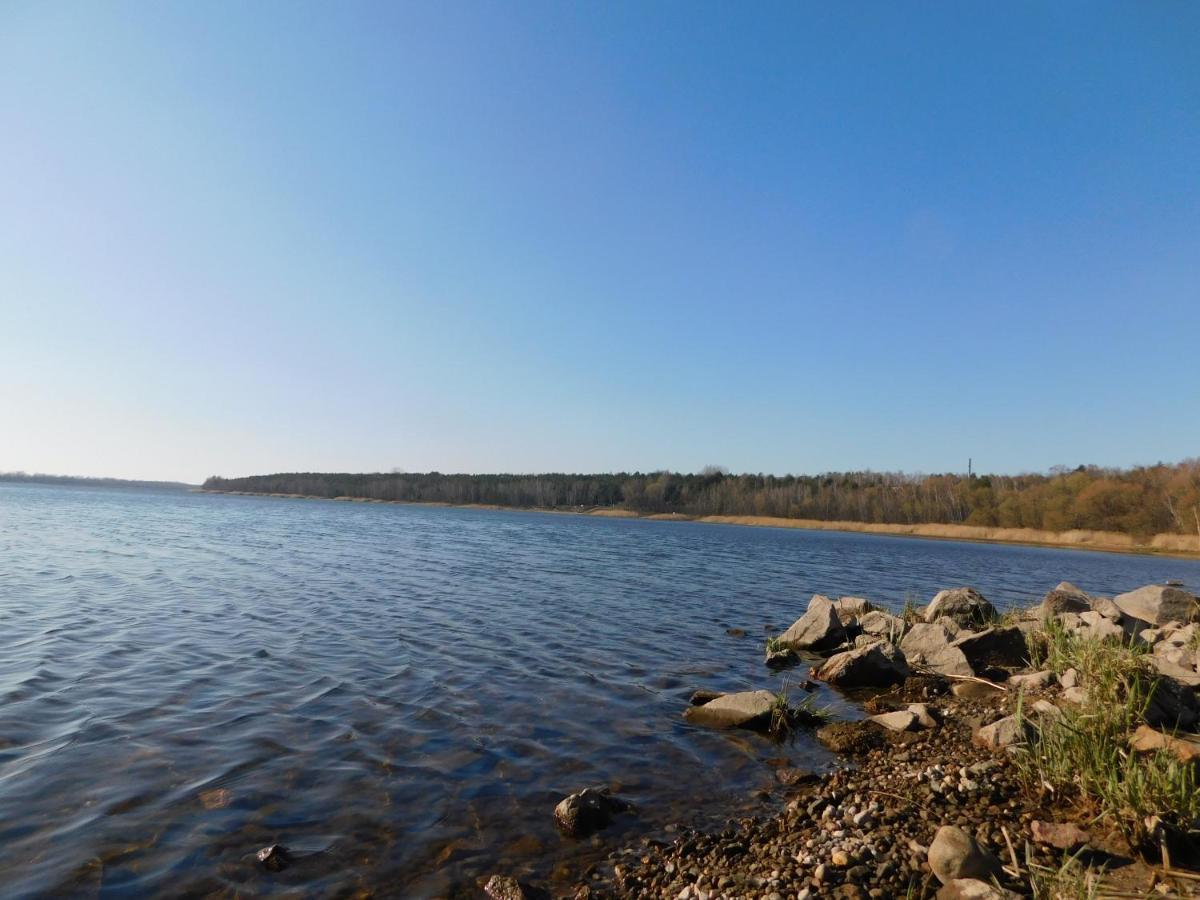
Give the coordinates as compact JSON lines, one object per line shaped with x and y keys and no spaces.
{"x":1172,"y":705}
{"x":1158,"y":604}
{"x":781,"y":657}
{"x":851,"y":608}
{"x":1064,"y":598}
{"x":745,"y":709}
{"x":876,"y":666}
{"x":736,"y":632}
{"x":1076,"y":696}
{"x":275,"y":857}
{"x":883,"y":624}
{"x":1033,"y":680}
{"x":840,"y":858}
{"x":995,"y":646}
{"x":1046,"y":710}
{"x":790,"y":777}
{"x":818,"y":629}
{"x":930,"y":646}
{"x":700,"y":697}
{"x":973,"y":889}
{"x":896,"y":721}
{"x":964,"y":605}
{"x":1107,"y":608}
{"x":588,"y":811}
{"x":1069,"y":679}
{"x":1177,"y":665}
{"x":1062,"y":835}
{"x":502,"y":887}
{"x":1002,"y":733}
{"x":925,"y":716}
{"x":1186,"y":747}
{"x":955,"y":854}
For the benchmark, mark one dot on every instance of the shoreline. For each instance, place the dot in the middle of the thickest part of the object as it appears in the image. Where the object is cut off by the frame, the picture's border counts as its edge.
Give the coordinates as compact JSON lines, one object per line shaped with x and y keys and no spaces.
{"x":1175,"y":546}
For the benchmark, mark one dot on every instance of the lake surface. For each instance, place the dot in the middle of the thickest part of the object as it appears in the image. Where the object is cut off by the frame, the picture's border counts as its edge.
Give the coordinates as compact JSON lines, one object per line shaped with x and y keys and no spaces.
{"x":400,"y":694}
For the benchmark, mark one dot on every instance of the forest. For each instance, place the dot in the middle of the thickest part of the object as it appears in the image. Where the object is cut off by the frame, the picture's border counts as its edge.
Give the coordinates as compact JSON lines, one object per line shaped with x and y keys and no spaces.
{"x":1141,"y":501}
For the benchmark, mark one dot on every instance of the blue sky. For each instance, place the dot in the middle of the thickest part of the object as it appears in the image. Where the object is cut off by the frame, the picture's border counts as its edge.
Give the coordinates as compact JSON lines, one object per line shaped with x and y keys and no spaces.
{"x":795,"y":237}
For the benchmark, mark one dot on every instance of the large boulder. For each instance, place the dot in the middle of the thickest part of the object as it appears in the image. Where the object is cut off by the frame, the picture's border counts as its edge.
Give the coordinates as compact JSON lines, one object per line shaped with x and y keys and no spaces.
{"x":587,"y":811}
{"x":1065,"y":598}
{"x":1158,"y":604}
{"x":964,"y":605}
{"x":878,"y":665}
{"x":930,"y":646}
{"x":955,"y":854}
{"x":996,"y":646}
{"x":746,"y":709}
{"x":818,"y":629}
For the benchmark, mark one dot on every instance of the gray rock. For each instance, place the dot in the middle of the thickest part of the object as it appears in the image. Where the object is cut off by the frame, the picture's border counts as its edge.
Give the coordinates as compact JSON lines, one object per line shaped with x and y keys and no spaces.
{"x":781,"y":658}
{"x":1063,"y":835}
{"x":883,"y":624}
{"x":1158,"y":604}
{"x":955,"y":854}
{"x":1032,"y":680}
{"x":1075,"y":696}
{"x":276,"y":857}
{"x":876,"y":666}
{"x":818,"y":629}
{"x":503,"y":887}
{"x":1002,"y":733}
{"x":588,"y":811}
{"x":973,"y":889}
{"x":1107,"y":608}
{"x":745,"y":709}
{"x":903,"y":720}
{"x":925,"y":716}
{"x":1064,"y":598}
{"x":930,"y":646}
{"x":964,"y":605}
{"x":1069,"y":679}
{"x":852,"y":608}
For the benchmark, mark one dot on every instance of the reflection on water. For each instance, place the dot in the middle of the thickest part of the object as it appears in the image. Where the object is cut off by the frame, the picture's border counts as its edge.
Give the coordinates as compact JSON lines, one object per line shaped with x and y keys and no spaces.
{"x":398,"y":694}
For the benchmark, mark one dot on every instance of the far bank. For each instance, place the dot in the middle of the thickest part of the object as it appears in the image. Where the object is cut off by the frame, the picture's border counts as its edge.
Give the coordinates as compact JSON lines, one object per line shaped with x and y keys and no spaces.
{"x":1173,"y":545}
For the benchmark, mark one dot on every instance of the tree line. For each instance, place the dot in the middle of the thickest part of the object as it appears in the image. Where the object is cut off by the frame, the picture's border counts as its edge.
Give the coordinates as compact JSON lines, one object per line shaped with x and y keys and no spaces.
{"x":1142,"y":501}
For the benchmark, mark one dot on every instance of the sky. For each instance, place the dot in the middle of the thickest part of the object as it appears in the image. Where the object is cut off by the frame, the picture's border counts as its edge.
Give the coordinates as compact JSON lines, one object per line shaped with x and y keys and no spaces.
{"x":797,"y":237}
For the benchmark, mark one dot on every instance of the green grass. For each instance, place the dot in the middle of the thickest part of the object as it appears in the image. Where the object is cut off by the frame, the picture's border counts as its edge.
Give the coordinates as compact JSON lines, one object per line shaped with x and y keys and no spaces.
{"x":1085,"y":752}
{"x":785,"y":717}
{"x":1070,"y":881}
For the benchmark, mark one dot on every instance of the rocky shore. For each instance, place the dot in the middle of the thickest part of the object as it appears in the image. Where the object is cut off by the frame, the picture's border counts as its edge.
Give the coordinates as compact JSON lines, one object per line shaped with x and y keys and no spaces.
{"x":1044,"y":753}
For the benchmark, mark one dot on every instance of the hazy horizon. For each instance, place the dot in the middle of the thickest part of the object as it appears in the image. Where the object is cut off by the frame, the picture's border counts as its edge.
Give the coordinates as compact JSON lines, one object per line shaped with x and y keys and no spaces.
{"x":292,"y":237}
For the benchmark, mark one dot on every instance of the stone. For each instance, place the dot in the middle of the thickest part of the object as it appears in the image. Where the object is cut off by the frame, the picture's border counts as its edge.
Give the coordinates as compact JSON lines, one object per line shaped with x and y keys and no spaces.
{"x":276,"y":857}
{"x":896,"y":721}
{"x":818,"y":629}
{"x":1158,"y":604}
{"x":1033,"y":681}
{"x":1062,"y":835}
{"x":883,"y":624}
{"x":964,"y":605}
{"x":955,"y":854}
{"x":1069,"y":679}
{"x":1178,"y":666}
{"x":1172,"y":706}
{"x":700,"y":697}
{"x":586,"y":812}
{"x":995,"y":646}
{"x":973,"y":889}
{"x":1046,"y":710}
{"x":1002,"y":733}
{"x":1094,"y":626}
{"x":851,"y":737}
{"x":781,"y":657}
{"x":851,"y":608}
{"x":745,"y":709}
{"x":1107,"y":608}
{"x":1064,"y":598}
{"x":925,"y":716}
{"x":790,"y":777}
{"x":930,"y":646}
{"x":1186,"y":747}
{"x":840,"y":858}
{"x":503,"y":887}
{"x":879,"y":665}
{"x":1076,"y":696}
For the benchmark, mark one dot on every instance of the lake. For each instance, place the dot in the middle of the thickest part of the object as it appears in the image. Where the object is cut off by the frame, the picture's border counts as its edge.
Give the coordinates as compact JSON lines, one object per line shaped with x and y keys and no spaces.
{"x":400,"y":694}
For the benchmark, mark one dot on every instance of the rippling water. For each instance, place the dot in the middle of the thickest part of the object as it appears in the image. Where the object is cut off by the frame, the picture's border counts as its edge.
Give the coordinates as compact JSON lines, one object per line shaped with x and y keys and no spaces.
{"x":400,"y":694}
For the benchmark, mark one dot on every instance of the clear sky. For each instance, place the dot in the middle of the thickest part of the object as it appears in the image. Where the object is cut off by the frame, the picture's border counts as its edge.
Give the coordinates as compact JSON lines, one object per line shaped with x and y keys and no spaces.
{"x":240,"y":238}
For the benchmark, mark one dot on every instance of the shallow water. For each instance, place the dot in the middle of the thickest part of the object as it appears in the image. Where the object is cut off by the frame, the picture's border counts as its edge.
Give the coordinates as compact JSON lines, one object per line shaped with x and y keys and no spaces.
{"x":400,"y":694}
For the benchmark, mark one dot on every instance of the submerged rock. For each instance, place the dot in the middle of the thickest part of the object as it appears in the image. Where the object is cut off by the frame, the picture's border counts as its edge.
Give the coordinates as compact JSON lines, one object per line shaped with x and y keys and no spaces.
{"x":275,"y":857}
{"x":587,"y":811}
{"x":746,"y":709}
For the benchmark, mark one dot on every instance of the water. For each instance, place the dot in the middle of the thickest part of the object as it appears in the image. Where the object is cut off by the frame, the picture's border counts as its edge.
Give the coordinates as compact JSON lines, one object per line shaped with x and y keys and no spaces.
{"x":400,"y":694}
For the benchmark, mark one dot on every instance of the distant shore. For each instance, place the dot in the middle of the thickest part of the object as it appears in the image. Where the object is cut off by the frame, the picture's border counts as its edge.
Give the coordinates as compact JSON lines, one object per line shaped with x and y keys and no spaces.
{"x":1171,"y":545}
